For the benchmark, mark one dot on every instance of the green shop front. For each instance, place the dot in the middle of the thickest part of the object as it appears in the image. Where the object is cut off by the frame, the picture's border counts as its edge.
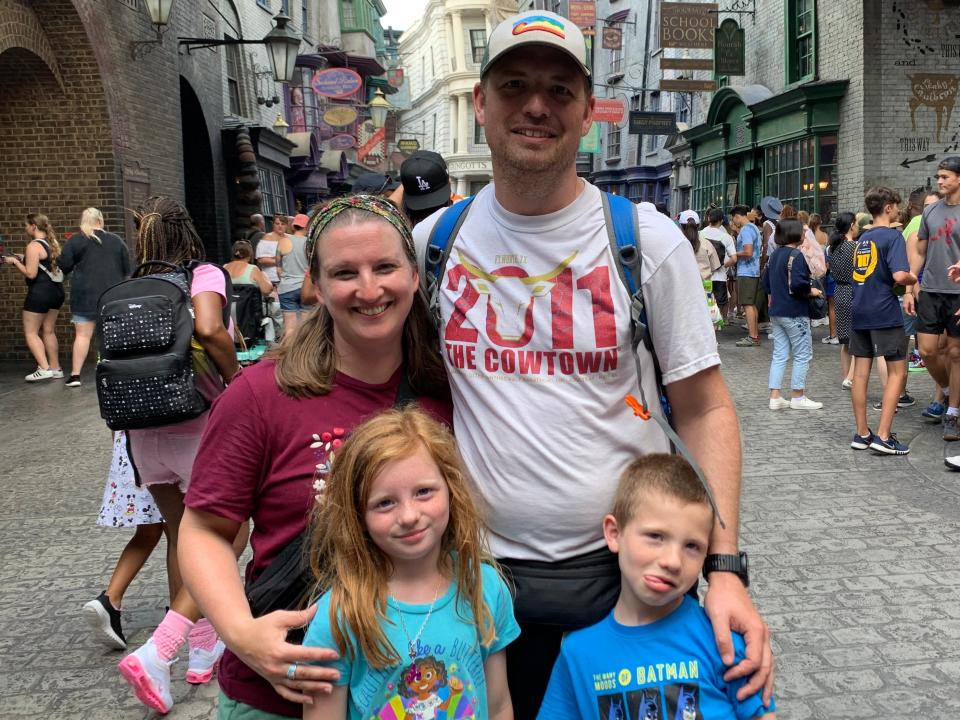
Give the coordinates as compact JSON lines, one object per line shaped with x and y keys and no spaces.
{"x":755,"y":143}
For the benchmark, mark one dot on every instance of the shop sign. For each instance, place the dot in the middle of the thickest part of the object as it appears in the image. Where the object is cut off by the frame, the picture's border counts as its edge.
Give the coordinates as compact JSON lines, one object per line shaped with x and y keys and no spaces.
{"x":688,"y":85}
{"x":341,"y":142}
{"x":336,"y":82}
{"x":340,"y":116}
{"x":370,"y":146}
{"x":590,"y":143}
{"x":395,"y":77}
{"x":612,"y":38}
{"x":609,"y":111}
{"x":686,"y":64}
{"x":583,"y":13}
{"x":687,"y":25}
{"x":408,"y":145}
{"x":730,"y":49}
{"x":652,"y":123}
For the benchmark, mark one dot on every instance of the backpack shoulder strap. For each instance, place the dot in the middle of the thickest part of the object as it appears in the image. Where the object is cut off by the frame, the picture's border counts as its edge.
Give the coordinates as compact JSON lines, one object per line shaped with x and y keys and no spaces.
{"x":623,"y":231}
{"x":439,"y":244}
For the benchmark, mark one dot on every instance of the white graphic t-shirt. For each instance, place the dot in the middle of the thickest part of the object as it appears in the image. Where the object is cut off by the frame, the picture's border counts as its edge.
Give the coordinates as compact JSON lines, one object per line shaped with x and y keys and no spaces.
{"x":536,"y":338}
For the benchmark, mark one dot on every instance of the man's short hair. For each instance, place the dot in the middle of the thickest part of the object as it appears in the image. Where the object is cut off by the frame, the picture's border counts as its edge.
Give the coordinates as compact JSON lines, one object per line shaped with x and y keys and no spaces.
{"x":715,"y":216}
{"x":877,"y":198}
{"x":257,"y":220}
{"x":669,"y":475}
{"x":740,"y":210}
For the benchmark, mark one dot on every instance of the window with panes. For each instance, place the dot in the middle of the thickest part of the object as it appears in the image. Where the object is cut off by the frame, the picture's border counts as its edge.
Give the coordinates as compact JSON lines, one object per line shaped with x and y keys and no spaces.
{"x":653,"y":141}
{"x":802,"y":173}
{"x":479,"y":136}
{"x":613,"y":141}
{"x":708,"y":183}
{"x":273,"y":189}
{"x":478,"y":41}
{"x":234,"y":78}
{"x":801,"y":38}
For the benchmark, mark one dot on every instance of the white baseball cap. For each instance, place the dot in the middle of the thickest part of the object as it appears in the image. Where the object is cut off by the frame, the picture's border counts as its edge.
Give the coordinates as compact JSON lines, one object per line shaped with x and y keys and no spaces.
{"x":536,"y":27}
{"x":688,"y":215}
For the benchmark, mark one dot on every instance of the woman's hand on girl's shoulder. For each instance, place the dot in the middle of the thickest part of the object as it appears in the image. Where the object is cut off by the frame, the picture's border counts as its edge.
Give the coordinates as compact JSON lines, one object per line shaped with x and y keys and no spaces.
{"x":262,"y":645}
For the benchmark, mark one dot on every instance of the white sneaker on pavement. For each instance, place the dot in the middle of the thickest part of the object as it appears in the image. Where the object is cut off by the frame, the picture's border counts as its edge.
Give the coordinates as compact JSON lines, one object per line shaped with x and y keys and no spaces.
{"x":804,"y":403}
{"x":201,"y":663}
{"x":40,"y":374}
{"x":780,"y":403}
{"x":149,"y":677}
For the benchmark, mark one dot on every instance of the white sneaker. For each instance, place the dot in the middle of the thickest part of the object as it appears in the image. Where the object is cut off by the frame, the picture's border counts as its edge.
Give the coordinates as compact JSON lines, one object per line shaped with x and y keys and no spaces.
{"x":804,"y":403}
{"x":780,"y":403}
{"x":201,"y":663}
{"x":149,"y":677}
{"x":830,"y":340}
{"x":58,"y":373}
{"x":846,"y":384}
{"x":40,"y":374}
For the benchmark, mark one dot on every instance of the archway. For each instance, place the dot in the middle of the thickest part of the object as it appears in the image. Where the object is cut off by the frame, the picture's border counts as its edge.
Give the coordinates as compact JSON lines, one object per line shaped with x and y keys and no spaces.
{"x":198,"y":188}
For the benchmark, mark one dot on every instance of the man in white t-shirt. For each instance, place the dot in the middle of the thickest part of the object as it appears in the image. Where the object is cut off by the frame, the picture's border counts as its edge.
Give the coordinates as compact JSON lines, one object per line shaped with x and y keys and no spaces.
{"x":716,"y":234}
{"x":535,"y":329}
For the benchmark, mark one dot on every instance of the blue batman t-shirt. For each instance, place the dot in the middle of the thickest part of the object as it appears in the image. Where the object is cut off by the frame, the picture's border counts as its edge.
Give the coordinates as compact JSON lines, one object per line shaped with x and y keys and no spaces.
{"x":748,"y":266}
{"x":667,"y":670}
{"x":880,"y":253}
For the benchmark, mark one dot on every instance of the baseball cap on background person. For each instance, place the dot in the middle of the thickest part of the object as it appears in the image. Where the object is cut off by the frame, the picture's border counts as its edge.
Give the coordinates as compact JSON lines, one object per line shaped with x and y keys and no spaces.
{"x":426,"y":184}
{"x":301,"y":220}
{"x":535,"y":27}
{"x":689,"y":216}
{"x":771,"y":208}
{"x":371,"y":183}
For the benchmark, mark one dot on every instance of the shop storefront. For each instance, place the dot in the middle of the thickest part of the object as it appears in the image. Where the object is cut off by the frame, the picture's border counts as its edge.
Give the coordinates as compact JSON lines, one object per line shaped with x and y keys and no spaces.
{"x":639,"y":183}
{"x":755,"y":143}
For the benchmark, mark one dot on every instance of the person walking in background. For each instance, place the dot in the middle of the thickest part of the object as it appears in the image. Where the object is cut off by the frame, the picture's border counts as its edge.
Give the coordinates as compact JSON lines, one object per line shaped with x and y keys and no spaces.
{"x":717,"y":235}
{"x":707,"y":260}
{"x":163,"y":456}
{"x":257,"y":230}
{"x":937,"y":248}
{"x":266,"y":250}
{"x":880,"y":262}
{"x":426,"y":185}
{"x":242,"y":270}
{"x":787,"y":282}
{"x":840,"y":252}
{"x":293,"y":264}
{"x":95,"y":259}
{"x":125,"y":505}
{"x":45,"y":297}
{"x":748,"y":272}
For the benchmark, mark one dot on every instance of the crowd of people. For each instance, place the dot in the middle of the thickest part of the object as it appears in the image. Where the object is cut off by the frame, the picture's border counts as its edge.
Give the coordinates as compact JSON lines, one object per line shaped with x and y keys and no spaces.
{"x":424,"y":539}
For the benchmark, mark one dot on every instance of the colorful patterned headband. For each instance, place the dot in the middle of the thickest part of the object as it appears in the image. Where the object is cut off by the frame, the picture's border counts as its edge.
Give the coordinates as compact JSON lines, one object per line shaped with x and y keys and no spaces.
{"x":368,"y":203}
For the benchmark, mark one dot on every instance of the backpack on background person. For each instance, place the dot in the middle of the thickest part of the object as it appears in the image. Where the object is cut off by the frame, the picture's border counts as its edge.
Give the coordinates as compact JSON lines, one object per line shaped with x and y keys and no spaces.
{"x":145,"y":372}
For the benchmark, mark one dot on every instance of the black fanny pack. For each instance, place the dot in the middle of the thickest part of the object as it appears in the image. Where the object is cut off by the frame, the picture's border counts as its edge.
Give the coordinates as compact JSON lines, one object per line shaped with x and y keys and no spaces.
{"x":567,"y":594}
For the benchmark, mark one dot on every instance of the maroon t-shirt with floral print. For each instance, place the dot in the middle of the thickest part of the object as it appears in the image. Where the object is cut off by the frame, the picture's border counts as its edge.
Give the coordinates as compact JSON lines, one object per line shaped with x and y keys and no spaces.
{"x":259,"y":457}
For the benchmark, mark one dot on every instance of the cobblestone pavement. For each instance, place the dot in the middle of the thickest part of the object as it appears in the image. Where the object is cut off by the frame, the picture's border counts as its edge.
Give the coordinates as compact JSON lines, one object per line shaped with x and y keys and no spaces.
{"x":854,"y":556}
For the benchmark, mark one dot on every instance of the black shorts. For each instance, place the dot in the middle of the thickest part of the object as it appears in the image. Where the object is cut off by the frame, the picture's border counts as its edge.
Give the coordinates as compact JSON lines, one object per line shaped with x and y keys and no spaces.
{"x":888,"y":343}
{"x":720,"y":292}
{"x":936,"y":312}
{"x":43,"y":295}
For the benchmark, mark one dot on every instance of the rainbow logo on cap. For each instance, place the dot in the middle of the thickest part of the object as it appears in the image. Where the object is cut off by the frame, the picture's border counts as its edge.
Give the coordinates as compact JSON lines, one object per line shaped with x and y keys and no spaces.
{"x":539,"y":22}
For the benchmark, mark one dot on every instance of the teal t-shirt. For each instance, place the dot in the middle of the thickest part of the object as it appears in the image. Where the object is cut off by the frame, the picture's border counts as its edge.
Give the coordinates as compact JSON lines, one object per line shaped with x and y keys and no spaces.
{"x":448,"y":681}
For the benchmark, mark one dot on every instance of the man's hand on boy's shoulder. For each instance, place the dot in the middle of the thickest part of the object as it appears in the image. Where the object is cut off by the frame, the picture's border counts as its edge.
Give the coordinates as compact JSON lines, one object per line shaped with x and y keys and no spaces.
{"x":729,"y":607}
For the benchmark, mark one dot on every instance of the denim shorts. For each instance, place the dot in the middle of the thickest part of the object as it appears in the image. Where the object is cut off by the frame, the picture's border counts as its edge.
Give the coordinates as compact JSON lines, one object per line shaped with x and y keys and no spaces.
{"x":290,"y":301}
{"x":77,"y":318}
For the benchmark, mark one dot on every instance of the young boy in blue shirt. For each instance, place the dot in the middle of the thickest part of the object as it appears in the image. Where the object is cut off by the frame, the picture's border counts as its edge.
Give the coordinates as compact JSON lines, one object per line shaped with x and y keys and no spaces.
{"x":879,"y":263}
{"x":654,"y":656}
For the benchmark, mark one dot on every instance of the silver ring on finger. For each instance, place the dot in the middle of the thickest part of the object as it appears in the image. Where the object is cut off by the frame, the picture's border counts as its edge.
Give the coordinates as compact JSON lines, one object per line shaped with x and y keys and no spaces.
{"x":292,"y":671}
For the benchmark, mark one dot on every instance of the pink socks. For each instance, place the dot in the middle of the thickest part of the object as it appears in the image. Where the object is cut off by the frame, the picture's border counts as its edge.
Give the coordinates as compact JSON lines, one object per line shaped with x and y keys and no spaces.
{"x":171,"y":634}
{"x":202,"y":636}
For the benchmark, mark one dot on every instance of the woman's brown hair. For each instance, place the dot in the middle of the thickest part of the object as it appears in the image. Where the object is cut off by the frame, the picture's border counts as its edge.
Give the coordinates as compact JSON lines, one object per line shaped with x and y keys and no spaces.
{"x":344,"y":558}
{"x":42,"y":223}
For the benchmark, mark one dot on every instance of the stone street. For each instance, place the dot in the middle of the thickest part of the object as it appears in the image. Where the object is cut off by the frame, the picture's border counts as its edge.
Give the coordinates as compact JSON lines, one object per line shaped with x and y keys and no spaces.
{"x":854,"y":556}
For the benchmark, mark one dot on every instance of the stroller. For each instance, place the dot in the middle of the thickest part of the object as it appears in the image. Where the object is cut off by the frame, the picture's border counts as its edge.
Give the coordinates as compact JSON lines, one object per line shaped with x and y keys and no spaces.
{"x":254,"y":328}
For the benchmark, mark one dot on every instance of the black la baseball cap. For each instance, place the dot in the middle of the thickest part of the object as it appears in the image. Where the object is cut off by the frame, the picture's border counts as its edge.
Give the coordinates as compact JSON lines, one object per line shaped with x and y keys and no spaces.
{"x":426,"y":183}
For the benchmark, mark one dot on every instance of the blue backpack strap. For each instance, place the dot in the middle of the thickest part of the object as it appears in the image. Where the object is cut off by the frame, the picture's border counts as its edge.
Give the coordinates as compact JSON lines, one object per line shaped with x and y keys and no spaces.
{"x":623,"y":231}
{"x":439,"y":245}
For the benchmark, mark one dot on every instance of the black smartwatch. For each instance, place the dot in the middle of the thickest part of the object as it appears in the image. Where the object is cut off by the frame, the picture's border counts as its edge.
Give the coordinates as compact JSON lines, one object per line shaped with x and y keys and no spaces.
{"x":736,"y":564}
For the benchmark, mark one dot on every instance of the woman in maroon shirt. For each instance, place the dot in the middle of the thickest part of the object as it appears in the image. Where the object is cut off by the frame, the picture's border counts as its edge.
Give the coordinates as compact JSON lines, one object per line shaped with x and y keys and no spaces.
{"x":273,"y":433}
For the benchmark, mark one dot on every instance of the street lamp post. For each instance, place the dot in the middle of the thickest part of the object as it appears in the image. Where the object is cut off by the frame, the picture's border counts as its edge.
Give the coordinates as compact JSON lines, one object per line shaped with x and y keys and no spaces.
{"x":378,"y":109}
{"x":159,"y":11}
